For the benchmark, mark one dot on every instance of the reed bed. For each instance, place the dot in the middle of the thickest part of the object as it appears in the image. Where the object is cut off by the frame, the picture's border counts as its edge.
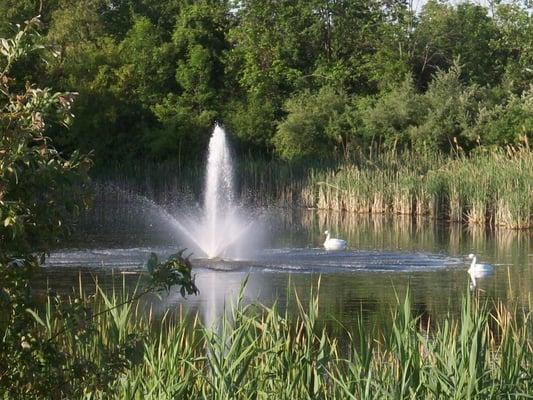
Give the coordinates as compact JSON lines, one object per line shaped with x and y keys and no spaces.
{"x":490,"y":188}
{"x":257,"y":352}
{"x":493,"y":189}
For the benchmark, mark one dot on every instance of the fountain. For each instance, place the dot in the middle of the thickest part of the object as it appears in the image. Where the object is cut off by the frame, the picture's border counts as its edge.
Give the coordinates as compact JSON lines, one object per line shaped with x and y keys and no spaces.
{"x":218,"y":200}
{"x":219,"y":232}
{"x":221,"y":228}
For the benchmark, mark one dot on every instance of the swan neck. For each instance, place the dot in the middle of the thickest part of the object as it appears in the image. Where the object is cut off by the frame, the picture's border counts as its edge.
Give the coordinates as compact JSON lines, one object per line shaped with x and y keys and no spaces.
{"x":328,"y":235}
{"x":474,"y":261}
{"x":473,"y":280}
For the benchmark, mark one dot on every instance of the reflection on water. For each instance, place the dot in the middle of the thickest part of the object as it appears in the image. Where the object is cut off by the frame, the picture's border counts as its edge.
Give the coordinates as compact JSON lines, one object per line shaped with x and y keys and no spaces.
{"x":385,"y":256}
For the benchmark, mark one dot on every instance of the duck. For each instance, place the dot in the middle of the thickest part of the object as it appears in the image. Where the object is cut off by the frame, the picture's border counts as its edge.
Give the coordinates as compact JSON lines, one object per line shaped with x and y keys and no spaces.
{"x":334,"y":244}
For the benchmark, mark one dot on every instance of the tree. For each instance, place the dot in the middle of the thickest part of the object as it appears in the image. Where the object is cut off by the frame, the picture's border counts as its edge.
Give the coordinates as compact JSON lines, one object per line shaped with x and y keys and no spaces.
{"x":186,"y":115}
{"x":388,"y":118}
{"x":446,"y":33}
{"x":200,"y":40}
{"x":315,"y":126}
{"x":40,"y":193}
{"x":146,"y":63}
{"x":39,"y":189}
{"x":358,"y":42}
{"x":515,"y":39}
{"x":16,"y":12}
{"x":162,"y":14}
{"x":452,"y":109}
{"x":272,"y":47}
{"x":118,"y":81}
{"x":508,"y":122}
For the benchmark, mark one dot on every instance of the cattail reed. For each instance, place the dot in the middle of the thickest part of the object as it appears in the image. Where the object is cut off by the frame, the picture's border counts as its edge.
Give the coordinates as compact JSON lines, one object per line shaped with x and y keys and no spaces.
{"x":488,"y":188}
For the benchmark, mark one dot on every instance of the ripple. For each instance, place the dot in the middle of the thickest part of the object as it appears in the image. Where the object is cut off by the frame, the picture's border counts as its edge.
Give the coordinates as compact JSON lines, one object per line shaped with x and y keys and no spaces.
{"x":295,"y":260}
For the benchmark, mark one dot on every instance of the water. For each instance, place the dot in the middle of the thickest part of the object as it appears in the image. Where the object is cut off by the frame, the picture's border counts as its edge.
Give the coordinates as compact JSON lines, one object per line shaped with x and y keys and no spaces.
{"x":227,"y":242}
{"x":385,"y":256}
{"x":222,"y":229}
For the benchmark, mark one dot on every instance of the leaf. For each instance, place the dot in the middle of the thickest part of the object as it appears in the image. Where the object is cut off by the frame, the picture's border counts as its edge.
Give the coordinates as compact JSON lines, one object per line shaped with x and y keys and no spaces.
{"x":152,"y":262}
{"x":36,"y":316}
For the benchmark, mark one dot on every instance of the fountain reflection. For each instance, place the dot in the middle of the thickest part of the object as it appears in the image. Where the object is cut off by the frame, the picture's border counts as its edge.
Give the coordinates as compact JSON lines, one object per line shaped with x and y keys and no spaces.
{"x":219,"y":292}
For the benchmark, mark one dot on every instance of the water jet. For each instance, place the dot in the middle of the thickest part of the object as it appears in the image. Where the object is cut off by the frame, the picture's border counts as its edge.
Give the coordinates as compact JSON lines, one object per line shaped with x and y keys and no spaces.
{"x":222,"y":228}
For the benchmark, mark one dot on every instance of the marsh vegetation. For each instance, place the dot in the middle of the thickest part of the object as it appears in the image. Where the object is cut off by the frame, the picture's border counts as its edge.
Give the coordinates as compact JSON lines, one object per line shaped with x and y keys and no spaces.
{"x":255,"y":351}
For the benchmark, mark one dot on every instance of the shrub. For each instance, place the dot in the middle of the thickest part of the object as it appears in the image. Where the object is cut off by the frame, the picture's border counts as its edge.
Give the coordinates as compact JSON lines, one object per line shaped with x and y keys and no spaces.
{"x":389,"y":118}
{"x":315,"y":126}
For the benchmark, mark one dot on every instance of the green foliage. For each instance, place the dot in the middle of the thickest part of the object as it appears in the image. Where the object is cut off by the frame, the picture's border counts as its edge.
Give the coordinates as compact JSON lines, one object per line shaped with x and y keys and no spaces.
{"x":257,"y":352}
{"x":389,"y":119}
{"x":313,"y":127}
{"x":452,"y":108}
{"x":33,"y":363}
{"x":450,"y":116}
{"x":73,"y":23}
{"x":506,"y":123}
{"x":489,"y":188}
{"x":147,"y":63}
{"x":161,"y":13}
{"x":153,"y":77}
{"x":200,"y":40}
{"x":181,"y":133}
{"x":44,"y":353}
{"x":40,"y":193}
{"x":272,"y":42}
{"x":515,"y":40}
{"x":39,"y":189}
{"x":186,"y":114}
{"x":252,"y":123}
{"x":176,"y":270}
{"x":16,"y":12}
{"x":445,"y":33}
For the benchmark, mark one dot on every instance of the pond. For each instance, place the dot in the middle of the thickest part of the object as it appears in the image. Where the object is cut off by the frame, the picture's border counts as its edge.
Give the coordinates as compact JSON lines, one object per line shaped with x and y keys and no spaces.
{"x":385,"y":256}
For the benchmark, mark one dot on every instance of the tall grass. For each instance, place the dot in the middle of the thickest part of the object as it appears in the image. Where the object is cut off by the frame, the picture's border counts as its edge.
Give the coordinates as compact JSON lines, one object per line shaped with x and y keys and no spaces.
{"x":492,"y":188}
{"x":256,"y":352}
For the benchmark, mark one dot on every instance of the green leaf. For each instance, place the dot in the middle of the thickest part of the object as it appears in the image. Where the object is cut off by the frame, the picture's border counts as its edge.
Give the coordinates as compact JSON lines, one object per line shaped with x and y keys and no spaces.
{"x":36,"y":316}
{"x":152,"y":262}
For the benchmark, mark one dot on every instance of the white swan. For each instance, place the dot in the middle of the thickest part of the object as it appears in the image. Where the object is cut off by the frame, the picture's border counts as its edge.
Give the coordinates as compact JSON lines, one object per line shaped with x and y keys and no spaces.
{"x":334,"y":244}
{"x":478,"y":270}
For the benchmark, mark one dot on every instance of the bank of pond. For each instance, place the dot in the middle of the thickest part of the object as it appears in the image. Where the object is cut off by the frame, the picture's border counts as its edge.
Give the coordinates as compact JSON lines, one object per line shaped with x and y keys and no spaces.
{"x":491,"y":188}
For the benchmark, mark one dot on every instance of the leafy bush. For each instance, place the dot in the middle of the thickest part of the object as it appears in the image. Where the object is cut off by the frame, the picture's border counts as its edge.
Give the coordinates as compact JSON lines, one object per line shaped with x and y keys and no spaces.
{"x":40,"y":193}
{"x":452,"y":108}
{"x":388,"y":119}
{"x":252,"y":122}
{"x":506,"y":123}
{"x":315,"y":126}
{"x":40,"y":190}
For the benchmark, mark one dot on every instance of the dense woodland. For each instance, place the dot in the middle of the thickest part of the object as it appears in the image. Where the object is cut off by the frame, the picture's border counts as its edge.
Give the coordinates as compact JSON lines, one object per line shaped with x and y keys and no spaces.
{"x":292,"y":79}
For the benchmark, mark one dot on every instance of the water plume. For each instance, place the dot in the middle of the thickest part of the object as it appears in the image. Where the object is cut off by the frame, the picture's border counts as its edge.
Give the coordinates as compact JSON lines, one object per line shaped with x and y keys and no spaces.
{"x":222,"y":230}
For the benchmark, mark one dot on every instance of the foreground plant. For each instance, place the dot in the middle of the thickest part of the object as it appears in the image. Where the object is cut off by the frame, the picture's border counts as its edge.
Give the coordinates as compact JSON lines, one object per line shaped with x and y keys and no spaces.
{"x":258,"y":352}
{"x":41,"y":193}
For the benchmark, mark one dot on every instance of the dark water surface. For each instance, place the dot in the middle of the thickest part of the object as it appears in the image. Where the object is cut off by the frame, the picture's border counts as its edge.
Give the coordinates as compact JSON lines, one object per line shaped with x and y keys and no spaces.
{"x":384,"y":258}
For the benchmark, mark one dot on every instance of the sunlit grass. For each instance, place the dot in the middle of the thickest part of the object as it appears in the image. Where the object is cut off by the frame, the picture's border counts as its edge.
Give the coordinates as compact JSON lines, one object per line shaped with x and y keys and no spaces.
{"x":490,"y":189}
{"x":258,"y":352}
